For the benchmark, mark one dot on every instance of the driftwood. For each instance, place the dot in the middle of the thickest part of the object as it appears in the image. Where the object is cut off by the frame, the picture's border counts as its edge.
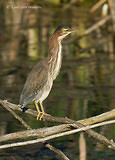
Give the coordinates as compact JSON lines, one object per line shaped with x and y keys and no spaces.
{"x":45,"y":134}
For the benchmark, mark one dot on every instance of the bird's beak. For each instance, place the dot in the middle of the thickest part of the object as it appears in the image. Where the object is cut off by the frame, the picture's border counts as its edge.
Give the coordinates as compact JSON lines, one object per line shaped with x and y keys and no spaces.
{"x":73,"y":30}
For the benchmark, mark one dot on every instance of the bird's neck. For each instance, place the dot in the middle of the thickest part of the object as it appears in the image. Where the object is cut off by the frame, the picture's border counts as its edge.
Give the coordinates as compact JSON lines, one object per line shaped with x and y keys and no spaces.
{"x":55,"y":56}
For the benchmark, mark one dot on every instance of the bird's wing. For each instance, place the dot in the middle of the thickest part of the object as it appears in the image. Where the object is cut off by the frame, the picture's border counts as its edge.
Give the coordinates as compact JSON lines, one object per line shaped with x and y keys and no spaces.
{"x":36,"y":80}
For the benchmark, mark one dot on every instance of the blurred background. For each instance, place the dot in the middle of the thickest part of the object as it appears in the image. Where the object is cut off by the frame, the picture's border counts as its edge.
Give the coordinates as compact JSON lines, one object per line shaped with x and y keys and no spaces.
{"x":85,"y":86}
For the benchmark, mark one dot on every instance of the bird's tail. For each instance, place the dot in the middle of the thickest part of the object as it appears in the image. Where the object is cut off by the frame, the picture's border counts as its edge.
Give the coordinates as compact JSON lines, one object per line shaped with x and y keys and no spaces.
{"x":24,"y":109}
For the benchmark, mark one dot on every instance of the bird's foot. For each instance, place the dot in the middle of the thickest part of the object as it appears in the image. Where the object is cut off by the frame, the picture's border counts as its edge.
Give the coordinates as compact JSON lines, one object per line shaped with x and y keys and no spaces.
{"x":41,"y":115}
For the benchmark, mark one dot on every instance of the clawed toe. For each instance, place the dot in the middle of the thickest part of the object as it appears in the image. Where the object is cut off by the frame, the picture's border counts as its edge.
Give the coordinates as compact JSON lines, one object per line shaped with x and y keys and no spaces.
{"x":41,"y":115}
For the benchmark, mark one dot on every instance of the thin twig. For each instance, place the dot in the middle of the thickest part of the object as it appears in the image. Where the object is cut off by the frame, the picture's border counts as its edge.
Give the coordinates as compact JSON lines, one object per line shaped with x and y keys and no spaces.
{"x":18,"y":117}
{"x":58,"y":151}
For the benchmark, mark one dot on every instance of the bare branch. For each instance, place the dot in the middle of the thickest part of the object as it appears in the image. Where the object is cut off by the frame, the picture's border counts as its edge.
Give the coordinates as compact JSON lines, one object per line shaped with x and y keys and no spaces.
{"x":111,"y":144}
{"x":94,"y":134}
{"x":18,"y":135}
{"x":97,"y":5}
{"x":98,"y":118}
{"x":35,"y":133}
{"x":87,"y":121}
{"x":18,"y":117}
{"x":57,"y":151}
{"x":73,"y":123}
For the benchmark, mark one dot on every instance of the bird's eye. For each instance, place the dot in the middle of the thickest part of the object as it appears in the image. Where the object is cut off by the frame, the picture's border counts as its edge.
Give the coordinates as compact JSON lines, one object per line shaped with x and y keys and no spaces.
{"x":64,"y":29}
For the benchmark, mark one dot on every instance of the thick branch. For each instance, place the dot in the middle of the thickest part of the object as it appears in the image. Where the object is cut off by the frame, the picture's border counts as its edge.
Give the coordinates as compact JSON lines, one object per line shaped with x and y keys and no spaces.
{"x":35,"y":133}
{"x":44,"y":132}
{"x":110,"y":143}
{"x":91,"y":120}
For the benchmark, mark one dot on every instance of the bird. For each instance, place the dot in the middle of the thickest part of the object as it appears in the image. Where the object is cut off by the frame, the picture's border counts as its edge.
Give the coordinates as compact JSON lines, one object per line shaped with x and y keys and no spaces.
{"x":40,"y":80}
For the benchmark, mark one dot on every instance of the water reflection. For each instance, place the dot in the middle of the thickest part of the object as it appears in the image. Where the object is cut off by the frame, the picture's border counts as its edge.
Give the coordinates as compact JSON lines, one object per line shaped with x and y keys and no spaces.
{"x":84,"y":88}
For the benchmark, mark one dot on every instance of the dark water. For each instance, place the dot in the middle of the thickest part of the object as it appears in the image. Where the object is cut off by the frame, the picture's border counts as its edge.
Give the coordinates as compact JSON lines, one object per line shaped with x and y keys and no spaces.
{"x":85,"y":86}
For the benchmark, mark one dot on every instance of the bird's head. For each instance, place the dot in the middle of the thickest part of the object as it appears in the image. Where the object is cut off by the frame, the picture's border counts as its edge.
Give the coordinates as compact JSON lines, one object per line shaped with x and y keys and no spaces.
{"x":62,"y":31}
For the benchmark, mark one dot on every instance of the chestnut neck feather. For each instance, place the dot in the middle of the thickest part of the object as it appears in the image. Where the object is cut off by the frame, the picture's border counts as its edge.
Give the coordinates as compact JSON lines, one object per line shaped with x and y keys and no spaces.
{"x":54,"y":58}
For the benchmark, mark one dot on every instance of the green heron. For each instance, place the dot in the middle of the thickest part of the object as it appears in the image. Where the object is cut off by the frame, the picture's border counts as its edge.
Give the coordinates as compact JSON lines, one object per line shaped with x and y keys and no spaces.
{"x":40,"y":80}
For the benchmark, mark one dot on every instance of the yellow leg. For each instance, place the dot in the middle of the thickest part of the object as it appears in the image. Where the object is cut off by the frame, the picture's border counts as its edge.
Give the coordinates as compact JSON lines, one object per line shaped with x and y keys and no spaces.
{"x":42,"y":112}
{"x":37,"y":110}
{"x":42,"y":109}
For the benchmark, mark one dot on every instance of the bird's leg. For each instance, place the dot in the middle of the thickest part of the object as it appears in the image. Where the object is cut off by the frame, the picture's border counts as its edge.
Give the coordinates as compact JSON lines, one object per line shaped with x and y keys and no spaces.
{"x":42,"y":112}
{"x":42,"y":109}
{"x":38,"y":110}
